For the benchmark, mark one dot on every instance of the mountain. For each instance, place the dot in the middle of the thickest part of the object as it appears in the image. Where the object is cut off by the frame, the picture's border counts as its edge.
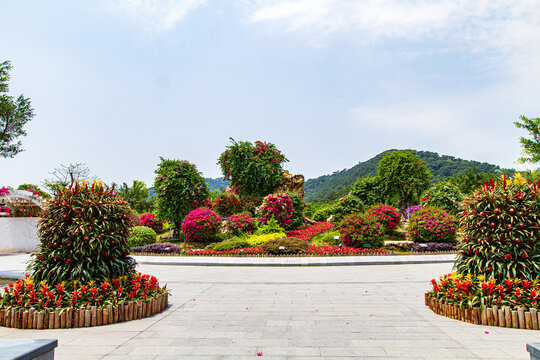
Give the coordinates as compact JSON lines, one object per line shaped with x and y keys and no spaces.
{"x":215,"y":184}
{"x":330,"y":187}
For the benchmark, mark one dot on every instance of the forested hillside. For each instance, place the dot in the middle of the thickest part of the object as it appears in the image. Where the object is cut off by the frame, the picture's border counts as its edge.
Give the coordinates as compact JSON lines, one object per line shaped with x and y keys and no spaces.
{"x":330,"y":187}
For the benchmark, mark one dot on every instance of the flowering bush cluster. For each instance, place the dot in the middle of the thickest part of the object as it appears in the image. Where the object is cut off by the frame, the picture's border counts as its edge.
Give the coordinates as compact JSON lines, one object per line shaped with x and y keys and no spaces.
{"x":29,"y":293}
{"x":201,"y":225}
{"x":472,"y":291}
{"x":311,"y":231}
{"x":348,"y":204}
{"x":309,"y":250}
{"x":149,"y":220}
{"x":444,"y":196}
{"x":5,"y":209}
{"x":227,"y":204}
{"x":250,"y":203}
{"x":210,"y":252}
{"x":388,"y":216}
{"x":278,"y":206}
{"x":240,"y":223}
{"x":412,"y":209}
{"x":4,"y":191}
{"x":361,"y":230}
{"x":432,"y":225}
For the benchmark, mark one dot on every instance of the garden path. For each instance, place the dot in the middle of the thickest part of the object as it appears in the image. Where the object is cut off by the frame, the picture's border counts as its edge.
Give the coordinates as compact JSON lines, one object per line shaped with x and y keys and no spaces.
{"x":342,"y":312}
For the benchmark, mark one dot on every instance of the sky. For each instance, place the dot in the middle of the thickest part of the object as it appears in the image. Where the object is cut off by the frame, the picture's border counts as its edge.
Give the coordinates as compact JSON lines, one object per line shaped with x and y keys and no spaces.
{"x":118,"y":84}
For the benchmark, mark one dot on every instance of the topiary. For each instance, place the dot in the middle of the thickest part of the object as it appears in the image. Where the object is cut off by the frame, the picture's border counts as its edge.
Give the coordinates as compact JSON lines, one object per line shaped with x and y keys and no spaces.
{"x":227,"y":204}
{"x":445,"y":196}
{"x":430,"y":224}
{"x":284,"y":246}
{"x":346,"y":205}
{"x":501,"y":231}
{"x":150,"y":221}
{"x":253,"y":170}
{"x":229,"y":244}
{"x":141,"y":235}
{"x":361,"y":230}
{"x":240,"y":223}
{"x":388,"y":216}
{"x":201,"y":225}
{"x":278,"y":206}
{"x":83,"y":233}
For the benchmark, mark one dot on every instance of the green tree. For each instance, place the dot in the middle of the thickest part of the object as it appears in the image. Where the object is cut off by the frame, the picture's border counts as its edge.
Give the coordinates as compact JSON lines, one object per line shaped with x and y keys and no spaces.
{"x":531,"y":147}
{"x":369,"y":190}
{"x":34,"y":188}
{"x":14,"y":114}
{"x":470,"y":180}
{"x":404,"y":176}
{"x":179,"y":188}
{"x":252,"y":169}
{"x":136,"y":196}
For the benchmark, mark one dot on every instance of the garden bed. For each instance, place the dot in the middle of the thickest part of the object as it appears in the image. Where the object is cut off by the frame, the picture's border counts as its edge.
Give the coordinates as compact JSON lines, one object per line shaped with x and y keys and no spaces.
{"x":386,"y":253}
{"x":490,"y":316}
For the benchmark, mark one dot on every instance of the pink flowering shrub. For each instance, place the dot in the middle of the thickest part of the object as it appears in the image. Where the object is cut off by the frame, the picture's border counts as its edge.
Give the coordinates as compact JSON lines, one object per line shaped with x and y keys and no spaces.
{"x":430,"y":224}
{"x":5,"y":209}
{"x":311,"y":231}
{"x":4,"y":191}
{"x":227,"y":204}
{"x":388,"y":216}
{"x":279,"y":206}
{"x":361,"y":230}
{"x":201,"y":225}
{"x":149,"y":220}
{"x":240,"y":223}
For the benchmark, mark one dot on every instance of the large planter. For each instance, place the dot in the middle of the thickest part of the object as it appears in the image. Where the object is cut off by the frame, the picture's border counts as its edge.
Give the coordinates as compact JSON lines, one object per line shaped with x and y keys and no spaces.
{"x":18,"y":234}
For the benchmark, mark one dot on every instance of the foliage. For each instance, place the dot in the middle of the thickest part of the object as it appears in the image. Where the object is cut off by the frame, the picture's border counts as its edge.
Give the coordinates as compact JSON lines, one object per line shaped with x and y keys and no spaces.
{"x":211,"y":252}
{"x":150,"y":221}
{"x":430,"y":224}
{"x":470,"y":180}
{"x":531,"y":147}
{"x":229,"y":244}
{"x":67,"y":175}
{"x":412,"y":209}
{"x":201,"y":225}
{"x":240,"y":223}
{"x":180,"y":188}
{"x":311,"y":208}
{"x":250,"y":203}
{"x":34,"y":189}
{"x":284,"y":246}
{"x":310,"y":250}
{"x":433,"y":246}
{"x":404,"y":176}
{"x":361,"y":230}
{"x":217,"y":184}
{"x":328,"y":188}
{"x":297,"y":218}
{"x":137,"y":196}
{"x":323,"y":213}
{"x":345,"y":206}
{"x":256,"y":240}
{"x":388,"y":216}
{"x":227,"y":204}
{"x":134,"y":219}
{"x":369,"y":190}
{"x":501,"y":232}
{"x":83,"y":233}
{"x":278,"y":206}
{"x":29,"y":293}
{"x":310,"y":231}
{"x":14,"y":114}
{"x":475,"y":291}
{"x":253,"y":169}
{"x":157,"y":248}
{"x":327,"y":238}
{"x":141,"y":235}
{"x":270,"y":227}
{"x":445,"y":196}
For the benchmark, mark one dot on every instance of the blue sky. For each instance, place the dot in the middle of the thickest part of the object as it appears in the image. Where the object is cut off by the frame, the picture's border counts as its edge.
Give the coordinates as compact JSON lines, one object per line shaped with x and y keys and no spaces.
{"x":117,"y":84}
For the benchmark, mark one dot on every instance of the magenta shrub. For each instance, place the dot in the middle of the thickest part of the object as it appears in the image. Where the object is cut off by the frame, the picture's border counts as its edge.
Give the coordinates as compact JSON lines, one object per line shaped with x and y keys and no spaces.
{"x":388,"y":216}
{"x":201,"y":225}
{"x":240,"y":223}
{"x":277,"y":205}
{"x":149,"y":220}
{"x":361,"y":230}
{"x":430,"y":224}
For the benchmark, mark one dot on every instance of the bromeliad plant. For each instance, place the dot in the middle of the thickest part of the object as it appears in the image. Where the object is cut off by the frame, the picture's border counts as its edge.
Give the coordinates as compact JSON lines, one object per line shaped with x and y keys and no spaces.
{"x":83,"y":232}
{"x":501,"y":230}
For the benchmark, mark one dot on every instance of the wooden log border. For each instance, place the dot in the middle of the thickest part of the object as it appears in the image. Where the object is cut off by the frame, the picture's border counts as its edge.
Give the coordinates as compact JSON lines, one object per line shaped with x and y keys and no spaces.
{"x":75,"y":318}
{"x":504,"y":317}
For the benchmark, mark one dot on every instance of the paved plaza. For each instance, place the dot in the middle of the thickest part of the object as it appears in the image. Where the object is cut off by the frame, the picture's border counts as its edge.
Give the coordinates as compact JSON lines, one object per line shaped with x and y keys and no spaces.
{"x":329,"y":312}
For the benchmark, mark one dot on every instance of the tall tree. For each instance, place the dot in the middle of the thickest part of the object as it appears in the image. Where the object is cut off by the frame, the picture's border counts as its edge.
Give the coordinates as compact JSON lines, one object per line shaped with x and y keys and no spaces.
{"x":136,"y":196}
{"x":531,"y":147}
{"x":14,"y":114}
{"x":404,"y":177}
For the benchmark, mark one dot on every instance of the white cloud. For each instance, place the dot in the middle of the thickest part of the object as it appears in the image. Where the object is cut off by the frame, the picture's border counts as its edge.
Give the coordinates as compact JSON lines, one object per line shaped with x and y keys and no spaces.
{"x":157,"y":15}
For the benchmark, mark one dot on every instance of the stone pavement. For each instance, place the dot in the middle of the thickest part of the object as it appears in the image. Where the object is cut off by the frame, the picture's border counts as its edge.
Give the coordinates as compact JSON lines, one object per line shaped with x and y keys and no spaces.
{"x":342,"y":312}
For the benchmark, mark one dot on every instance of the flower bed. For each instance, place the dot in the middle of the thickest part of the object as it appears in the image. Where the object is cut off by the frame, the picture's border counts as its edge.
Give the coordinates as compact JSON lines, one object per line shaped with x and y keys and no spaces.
{"x":491,"y":303}
{"x":311,"y":250}
{"x":27,"y":304}
{"x":311,"y":231}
